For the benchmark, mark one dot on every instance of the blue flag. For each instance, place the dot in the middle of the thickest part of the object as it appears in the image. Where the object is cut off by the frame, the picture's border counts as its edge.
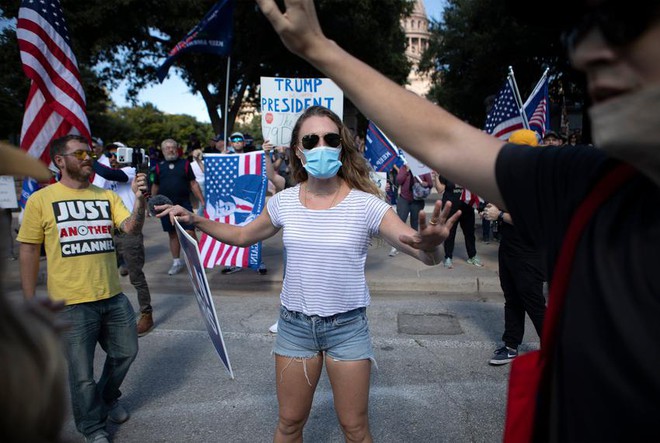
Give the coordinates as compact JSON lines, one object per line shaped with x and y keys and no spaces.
{"x":212,"y":35}
{"x":380,"y":151}
{"x":29,"y":186}
{"x":537,"y":109}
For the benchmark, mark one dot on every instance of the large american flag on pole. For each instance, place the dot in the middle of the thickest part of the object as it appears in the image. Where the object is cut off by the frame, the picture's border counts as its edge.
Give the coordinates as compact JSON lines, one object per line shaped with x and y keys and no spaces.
{"x":235,"y":193}
{"x":505,"y":116}
{"x":55,"y":105}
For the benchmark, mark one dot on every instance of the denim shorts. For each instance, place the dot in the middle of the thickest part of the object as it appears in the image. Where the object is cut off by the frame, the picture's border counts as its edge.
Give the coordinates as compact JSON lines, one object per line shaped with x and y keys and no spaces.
{"x":343,"y":336}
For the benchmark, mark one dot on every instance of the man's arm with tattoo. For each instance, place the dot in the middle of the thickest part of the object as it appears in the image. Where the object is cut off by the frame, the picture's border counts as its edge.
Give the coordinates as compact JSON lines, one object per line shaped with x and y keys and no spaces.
{"x":134,"y":223}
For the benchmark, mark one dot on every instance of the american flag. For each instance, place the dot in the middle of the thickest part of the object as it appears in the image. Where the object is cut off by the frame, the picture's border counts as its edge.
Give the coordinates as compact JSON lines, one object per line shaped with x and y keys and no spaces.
{"x":470,"y":198}
{"x":505,"y":116}
{"x":235,"y":193}
{"x":56,"y":103}
{"x":536,"y":107}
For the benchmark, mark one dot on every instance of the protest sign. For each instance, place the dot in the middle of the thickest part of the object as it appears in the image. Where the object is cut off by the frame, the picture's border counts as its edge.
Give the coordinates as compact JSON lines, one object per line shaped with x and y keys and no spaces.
{"x":7,"y":192}
{"x":203,"y":293}
{"x":416,"y":167}
{"x":284,"y":99}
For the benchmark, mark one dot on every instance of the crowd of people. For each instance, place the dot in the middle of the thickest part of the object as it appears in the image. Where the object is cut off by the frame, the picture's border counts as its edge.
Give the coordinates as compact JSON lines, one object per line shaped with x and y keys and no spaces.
{"x":583,"y":219}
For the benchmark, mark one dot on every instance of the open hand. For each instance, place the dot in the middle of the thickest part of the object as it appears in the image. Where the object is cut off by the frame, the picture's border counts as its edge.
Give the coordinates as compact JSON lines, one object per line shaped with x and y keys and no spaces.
{"x":298,"y":26}
{"x":432,"y":233}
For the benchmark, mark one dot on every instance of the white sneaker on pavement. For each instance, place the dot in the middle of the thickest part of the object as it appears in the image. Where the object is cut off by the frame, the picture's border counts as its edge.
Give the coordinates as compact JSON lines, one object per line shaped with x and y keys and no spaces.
{"x":393,"y":252}
{"x":176,"y":268}
{"x":273,"y":329}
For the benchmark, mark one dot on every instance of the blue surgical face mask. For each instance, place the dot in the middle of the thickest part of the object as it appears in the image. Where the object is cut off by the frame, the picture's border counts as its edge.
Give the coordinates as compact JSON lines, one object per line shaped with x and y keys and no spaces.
{"x":322,"y":161}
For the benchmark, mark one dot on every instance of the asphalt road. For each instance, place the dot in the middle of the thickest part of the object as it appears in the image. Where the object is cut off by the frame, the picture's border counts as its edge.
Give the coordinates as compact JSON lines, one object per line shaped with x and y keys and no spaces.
{"x":433,"y":330}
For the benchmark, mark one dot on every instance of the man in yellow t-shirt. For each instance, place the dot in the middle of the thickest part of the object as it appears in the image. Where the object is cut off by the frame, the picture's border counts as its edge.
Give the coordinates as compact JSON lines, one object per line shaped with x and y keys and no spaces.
{"x":75,"y":221}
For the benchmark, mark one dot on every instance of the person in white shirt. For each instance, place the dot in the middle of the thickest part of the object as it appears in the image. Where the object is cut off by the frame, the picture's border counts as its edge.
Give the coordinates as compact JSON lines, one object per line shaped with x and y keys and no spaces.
{"x":129,"y":246}
{"x":328,"y":219}
{"x":197,"y":165}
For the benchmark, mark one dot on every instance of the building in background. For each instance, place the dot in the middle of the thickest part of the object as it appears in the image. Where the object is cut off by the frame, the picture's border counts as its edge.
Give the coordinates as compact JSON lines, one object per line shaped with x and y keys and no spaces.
{"x":417,"y":32}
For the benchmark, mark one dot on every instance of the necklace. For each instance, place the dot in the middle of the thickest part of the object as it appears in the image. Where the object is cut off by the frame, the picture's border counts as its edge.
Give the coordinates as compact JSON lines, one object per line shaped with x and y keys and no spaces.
{"x":333,"y":198}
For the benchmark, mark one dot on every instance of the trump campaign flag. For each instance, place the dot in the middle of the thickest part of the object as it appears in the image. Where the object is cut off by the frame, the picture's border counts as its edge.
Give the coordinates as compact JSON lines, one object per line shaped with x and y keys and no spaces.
{"x":536,"y":107}
{"x":235,"y":193}
{"x":382,"y":154}
{"x":505,"y":116}
{"x":55,"y":105}
{"x":212,"y":35}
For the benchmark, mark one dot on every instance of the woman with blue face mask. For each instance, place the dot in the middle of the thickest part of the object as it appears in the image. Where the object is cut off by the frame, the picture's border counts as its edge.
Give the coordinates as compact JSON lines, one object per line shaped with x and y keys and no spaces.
{"x":328,"y":220}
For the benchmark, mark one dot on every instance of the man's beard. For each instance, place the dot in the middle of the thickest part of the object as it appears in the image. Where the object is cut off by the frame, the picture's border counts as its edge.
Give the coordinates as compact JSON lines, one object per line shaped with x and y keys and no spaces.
{"x":171,"y":157}
{"x":81,"y":174}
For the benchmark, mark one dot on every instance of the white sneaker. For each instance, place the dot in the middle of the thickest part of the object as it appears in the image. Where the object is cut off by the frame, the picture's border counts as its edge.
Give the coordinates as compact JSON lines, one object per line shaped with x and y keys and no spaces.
{"x":273,"y":329}
{"x":393,"y":252}
{"x":175,"y":269}
{"x":448,"y":264}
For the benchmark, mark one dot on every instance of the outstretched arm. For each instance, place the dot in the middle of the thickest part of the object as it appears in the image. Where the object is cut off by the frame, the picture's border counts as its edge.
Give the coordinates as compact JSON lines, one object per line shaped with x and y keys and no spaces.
{"x":459,"y":151}
{"x":257,"y":230}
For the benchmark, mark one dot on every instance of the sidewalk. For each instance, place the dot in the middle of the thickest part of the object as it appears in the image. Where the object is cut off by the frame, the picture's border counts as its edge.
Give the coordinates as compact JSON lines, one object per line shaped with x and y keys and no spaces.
{"x":400,"y":273}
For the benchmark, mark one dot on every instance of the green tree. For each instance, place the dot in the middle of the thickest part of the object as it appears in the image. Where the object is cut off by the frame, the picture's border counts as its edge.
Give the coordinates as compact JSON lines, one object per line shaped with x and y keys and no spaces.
{"x":127,"y":40}
{"x":472,"y":48}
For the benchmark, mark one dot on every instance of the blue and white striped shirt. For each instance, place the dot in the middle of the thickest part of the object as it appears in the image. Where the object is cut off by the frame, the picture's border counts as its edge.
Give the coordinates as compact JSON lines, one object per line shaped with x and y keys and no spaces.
{"x":326,"y":251}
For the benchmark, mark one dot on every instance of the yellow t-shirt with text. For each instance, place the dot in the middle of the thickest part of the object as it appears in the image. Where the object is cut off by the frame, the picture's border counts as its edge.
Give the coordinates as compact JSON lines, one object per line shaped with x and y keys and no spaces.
{"x":76,"y":228}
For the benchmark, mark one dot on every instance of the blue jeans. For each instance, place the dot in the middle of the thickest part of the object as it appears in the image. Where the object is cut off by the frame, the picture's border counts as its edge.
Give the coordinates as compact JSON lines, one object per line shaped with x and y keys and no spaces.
{"x":412,"y":208}
{"x":111,"y":323}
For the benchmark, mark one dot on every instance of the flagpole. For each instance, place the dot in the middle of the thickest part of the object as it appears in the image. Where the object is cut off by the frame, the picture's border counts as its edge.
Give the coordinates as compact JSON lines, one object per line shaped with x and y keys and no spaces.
{"x":538,"y":85}
{"x":516,"y":94}
{"x":226,"y":114}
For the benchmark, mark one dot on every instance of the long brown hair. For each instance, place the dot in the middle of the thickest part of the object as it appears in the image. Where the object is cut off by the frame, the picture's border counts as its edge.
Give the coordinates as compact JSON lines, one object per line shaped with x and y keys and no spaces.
{"x":354,"y":169}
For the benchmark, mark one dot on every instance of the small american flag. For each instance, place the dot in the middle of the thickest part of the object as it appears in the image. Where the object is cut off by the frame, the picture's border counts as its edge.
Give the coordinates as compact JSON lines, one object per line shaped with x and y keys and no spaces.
{"x":504,"y":117}
{"x":470,"y":198}
{"x":56,"y":103}
{"x":235,"y":194}
{"x":536,"y":107}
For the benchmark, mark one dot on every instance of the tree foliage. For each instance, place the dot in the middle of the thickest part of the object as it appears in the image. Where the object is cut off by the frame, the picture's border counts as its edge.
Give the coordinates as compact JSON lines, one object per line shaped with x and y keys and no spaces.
{"x":471,"y":50}
{"x":126,"y":40}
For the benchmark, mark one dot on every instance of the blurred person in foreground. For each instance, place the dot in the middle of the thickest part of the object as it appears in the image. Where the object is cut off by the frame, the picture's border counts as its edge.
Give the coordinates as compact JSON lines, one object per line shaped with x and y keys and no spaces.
{"x":595,"y":211}
{"x":75,"y":221}
{"x":328,"y":220}
{"x":33,"y":369}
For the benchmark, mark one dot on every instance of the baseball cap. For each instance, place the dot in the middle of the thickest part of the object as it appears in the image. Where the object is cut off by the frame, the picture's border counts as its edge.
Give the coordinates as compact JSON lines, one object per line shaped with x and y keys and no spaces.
{"x":237,"y":137}
{"x":551,"y":134}
{"x":17,"y":162}
{"x":218,"y":137}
